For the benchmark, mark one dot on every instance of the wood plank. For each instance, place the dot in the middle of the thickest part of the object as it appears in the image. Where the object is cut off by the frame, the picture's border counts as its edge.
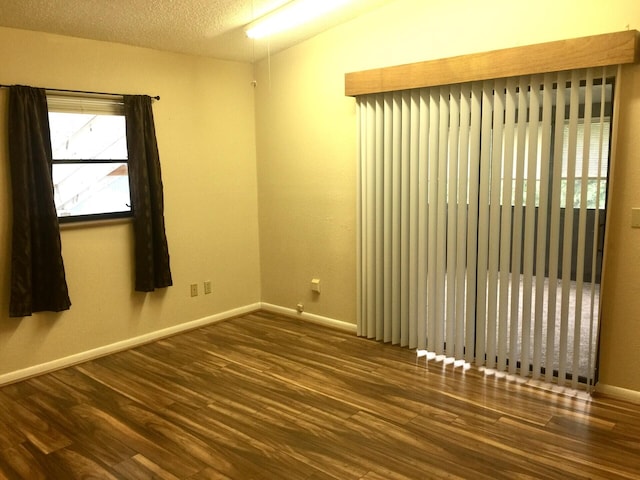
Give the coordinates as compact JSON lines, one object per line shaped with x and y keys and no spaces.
{"x":18,"y":462}
{"x":593,"y":51}
{"x":140,"y":468}
{"x":94,"y":443}
{"x":36,"y":430}
{"x":263,"y":396}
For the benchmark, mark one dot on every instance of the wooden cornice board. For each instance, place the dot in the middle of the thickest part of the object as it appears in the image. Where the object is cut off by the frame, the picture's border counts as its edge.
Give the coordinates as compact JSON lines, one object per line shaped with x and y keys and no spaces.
{"x":593,"y":51}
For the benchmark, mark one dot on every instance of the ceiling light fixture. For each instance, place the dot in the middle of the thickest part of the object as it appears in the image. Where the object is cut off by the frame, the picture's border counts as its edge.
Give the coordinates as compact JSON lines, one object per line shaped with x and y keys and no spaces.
{"x":289,"y":16}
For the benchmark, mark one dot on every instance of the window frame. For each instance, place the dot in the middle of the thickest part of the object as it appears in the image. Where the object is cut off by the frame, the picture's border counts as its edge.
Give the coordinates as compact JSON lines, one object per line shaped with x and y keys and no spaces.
{"x":98,"y":104}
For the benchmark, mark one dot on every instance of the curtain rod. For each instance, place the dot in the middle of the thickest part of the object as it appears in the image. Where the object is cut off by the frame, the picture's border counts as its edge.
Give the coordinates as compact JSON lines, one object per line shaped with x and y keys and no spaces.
{"x":157,"y":97}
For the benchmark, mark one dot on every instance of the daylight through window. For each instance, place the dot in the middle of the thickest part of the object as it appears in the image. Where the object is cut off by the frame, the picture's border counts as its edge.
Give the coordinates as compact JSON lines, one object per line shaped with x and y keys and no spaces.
{"x":88,"y":140}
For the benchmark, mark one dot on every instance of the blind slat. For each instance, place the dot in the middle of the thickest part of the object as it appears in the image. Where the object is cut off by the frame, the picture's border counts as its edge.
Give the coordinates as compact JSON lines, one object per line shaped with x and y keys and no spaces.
{"x":434,"y":138}
{"x":387,"y":217}
{"x":504,"y":248}
{"x":369,"y":172}
{"x":494,"y":221}
{"x":379,"y":225}
{"x":516,"y":260}
{"x":582,"y":233}
{"x":423,"y":221}
{"x":463,"y":200}
{"x":395,"y":234}
{"x":530,"y":222}
{"x":414,"y":219}
{"x":554,"y":228}
{"x":543,"y":209}
{"x":483,"y":224}
{"x":473,"y":326}
{"x":441,"y":229}
{"x":570,"y":161}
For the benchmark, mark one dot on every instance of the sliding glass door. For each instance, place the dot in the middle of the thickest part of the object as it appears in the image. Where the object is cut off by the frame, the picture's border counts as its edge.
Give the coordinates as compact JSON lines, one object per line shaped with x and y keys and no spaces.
{"x":482,"y":208}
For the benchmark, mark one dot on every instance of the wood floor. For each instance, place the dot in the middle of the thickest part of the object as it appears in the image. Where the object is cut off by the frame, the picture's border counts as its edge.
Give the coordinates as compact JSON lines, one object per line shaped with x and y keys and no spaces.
{"x":265,"y":397}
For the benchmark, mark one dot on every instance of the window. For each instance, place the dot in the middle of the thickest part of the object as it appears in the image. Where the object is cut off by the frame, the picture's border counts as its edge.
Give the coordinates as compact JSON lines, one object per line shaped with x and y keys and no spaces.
{"x":88,"y":140}
{"x":596,"y":188}
{"x":598,"y":154}
{"x":595,"y":144}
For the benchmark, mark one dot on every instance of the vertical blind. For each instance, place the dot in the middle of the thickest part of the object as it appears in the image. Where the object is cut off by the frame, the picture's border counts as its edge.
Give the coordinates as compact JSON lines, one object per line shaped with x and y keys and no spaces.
{"x":480,"y":209}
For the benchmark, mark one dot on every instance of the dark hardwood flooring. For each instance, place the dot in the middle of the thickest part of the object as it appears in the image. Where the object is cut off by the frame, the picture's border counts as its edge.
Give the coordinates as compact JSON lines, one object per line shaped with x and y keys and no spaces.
{"x":266,"y":397}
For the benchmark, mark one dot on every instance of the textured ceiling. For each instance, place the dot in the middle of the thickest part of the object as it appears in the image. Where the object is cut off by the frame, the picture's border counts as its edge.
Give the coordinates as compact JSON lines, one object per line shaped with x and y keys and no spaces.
{"x":213,"y":28}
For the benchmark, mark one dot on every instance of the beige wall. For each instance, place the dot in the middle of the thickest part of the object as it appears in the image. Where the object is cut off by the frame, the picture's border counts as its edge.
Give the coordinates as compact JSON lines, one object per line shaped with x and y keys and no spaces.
{"x":300,"y":193}
{"x":306,"y":144}
{"x":205,"y":129}
{"x":620,"y":338}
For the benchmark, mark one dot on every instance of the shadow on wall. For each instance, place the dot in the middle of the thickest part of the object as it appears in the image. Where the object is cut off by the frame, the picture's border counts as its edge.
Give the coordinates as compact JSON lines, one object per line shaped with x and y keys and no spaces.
{"x":145,"y":301}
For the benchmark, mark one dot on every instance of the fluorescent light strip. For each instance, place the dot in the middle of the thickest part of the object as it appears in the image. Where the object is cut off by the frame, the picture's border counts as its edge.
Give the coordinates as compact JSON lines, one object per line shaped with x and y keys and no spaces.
{"x":289,"y":16}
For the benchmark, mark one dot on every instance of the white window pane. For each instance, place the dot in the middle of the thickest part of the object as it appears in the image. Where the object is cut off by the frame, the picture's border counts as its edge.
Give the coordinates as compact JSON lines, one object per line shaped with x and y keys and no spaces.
{"x":84,"y":189}
{"x":597,"y":165}
{"x":597,"y":129}
{"x":84,"y":136}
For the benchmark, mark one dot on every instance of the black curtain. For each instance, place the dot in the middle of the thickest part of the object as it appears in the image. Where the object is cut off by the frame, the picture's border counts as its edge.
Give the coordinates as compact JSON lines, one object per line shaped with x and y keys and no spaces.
{"x":145,"y":181}
{"x":38,"y":281}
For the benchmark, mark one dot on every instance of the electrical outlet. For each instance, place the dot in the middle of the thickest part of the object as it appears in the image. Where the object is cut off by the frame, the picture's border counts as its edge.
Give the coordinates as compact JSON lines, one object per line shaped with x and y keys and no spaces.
{"x":300,"y":307}
{"x":635,"y":217}
{"x":207,"y":287}
{"x":194,"y":289}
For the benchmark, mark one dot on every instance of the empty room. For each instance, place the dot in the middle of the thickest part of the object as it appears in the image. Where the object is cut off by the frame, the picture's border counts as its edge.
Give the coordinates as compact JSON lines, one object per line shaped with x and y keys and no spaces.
{"x":396,"y":240}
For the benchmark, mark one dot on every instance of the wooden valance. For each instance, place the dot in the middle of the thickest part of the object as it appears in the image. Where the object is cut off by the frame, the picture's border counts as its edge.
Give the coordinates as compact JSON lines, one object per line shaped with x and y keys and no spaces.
{"x":593,"y":51}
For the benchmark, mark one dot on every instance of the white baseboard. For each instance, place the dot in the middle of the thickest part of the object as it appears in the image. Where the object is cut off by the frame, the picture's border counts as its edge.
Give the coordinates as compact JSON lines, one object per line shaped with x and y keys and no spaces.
{"x":123,"y":345}
{"x":77,"y":358}
{"x":627,"y":395}
{"x":310,"y":317}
